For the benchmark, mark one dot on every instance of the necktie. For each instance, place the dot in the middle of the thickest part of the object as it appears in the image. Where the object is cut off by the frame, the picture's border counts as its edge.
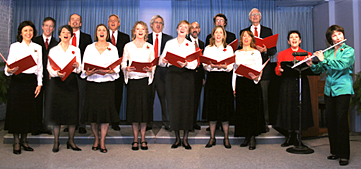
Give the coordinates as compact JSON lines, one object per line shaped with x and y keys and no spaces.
{"x":255,"y":32}
{"x":74,"y":40}
{"x":46,"y":43}
{"x":113,"y":39}
{"x":156,"y":46}
{"x":195,"y":44}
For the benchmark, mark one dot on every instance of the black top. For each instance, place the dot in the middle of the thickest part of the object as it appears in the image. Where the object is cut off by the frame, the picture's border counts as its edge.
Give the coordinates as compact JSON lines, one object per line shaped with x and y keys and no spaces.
{"x":122,"y":39}
{"x":84,"y":41}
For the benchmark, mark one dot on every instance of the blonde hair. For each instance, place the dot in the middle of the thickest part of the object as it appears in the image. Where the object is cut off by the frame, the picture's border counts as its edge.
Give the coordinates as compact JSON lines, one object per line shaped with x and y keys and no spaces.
{"x":253,"y":42}
{"x":145,"y":27}
{"x":185,"y":22}
{"x":212,"y":41}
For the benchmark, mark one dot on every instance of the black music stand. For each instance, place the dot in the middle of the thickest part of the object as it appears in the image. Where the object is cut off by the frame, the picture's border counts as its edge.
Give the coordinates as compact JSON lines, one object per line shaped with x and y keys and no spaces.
{"x":302,"y":69}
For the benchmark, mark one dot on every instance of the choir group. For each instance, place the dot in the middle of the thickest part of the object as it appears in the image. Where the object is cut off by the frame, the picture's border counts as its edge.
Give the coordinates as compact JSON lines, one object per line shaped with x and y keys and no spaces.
{"x":77,"y":81}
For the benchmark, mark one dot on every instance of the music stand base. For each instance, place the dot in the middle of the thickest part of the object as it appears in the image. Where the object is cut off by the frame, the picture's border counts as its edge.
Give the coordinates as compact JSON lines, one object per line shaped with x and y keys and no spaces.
{"x":300,"y":150}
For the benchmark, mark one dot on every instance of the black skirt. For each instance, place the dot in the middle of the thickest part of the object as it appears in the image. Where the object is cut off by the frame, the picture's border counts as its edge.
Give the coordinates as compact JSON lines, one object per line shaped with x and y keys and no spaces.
{"x":218,"y":96}
{"x":62,"y":101}
{"x":139,"y":101}
{"x":288,"y":112}
{"x":249,"y":108}
{"x":99,"y":106}
{"x":21,"y":109}
{"x":180,"y":97}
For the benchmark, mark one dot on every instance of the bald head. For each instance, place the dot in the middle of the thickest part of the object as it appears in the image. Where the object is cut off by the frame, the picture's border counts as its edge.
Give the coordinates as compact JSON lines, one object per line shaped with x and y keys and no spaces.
{"x":195,"y":29}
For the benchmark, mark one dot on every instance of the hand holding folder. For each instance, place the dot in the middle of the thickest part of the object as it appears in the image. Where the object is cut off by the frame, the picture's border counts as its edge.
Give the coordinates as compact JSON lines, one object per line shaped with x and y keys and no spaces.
{"x":207,"y":60}
{"x":269,"y":42}
{"x":66,"y":71}
{"x":22,"y":64}
{"x":140,"y":65}
{"x":88,"y":66}
{"x":173,"y":58}
{"x":245,"y":70}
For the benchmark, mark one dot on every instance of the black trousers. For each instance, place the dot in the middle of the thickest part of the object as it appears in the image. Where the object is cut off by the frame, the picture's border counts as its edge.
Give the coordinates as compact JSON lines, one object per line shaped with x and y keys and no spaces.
{"x":337,"y":124}
{"x":118,"y":93}
{"x":159,"y":87}
{"x":198,"y":83}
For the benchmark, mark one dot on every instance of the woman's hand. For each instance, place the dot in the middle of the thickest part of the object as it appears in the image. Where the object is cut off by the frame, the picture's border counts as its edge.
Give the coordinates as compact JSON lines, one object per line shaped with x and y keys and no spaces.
{"x":147,"y":69}
{"x":262,"y":49}
{"x":219,"y":66}
{"x":13,"y":70}
{"x":319,"y":54}
{"x":280,"y":69}
{"x":90,"y":72}
{"x":182,"y":64}
{"x":130,"y":68}
{"x":234,"y":93}
{"x":37,"y":91}
{"x":165,"y":61}
{"x":75,"y":65}
{"x":61,"y":75}
{"x":254,"y":77}
{"x":309,"y":62}
{"x":109,"y":71}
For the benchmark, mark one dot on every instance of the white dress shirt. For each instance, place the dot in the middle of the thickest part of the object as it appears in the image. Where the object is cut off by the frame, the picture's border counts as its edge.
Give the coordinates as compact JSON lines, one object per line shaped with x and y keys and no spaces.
{"x":49,"y":38}
{"x":92,"y":56}
{"x":143,"y":54}
{"x":62,"y":58}
{"x":218,"y":54}
{"x":252,"y":59}
{"x":183,"y":50}
{"x":19,"y":50}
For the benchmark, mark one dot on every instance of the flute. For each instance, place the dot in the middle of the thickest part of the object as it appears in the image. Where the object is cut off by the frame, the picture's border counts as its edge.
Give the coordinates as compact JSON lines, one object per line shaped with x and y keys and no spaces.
{"x":307,"y":59}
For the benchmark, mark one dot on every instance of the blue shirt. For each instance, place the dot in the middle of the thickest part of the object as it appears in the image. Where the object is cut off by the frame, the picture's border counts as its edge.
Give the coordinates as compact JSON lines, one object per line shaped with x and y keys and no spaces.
{"x":339,"y":69}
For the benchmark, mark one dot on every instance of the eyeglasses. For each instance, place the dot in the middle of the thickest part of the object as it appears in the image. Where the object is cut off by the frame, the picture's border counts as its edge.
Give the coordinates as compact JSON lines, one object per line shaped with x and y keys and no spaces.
{"x":219,"y":20}
{"x":156,"y":22}
{"x":255,"y":14}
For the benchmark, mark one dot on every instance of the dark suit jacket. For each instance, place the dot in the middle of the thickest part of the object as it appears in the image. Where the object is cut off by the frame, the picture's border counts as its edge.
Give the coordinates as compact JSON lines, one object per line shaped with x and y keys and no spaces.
{"x":200,"y":43}
{"x":199,"y":69}
{"x":122,"y":39}
{"x":53,"y":42}
{"x":165,"y":38}
{"x":84,"y":41}
{"x":230,"y":38}
{"x":265,"y":32}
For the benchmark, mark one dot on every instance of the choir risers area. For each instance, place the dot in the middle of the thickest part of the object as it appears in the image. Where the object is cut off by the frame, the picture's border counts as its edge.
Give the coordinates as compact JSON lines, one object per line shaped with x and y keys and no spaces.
{"x":156,"y":136}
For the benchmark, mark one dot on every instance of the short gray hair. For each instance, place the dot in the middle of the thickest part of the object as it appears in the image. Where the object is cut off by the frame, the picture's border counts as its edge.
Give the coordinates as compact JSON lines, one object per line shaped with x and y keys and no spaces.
{"x":249,"y":14}
{"x":155,"y":17}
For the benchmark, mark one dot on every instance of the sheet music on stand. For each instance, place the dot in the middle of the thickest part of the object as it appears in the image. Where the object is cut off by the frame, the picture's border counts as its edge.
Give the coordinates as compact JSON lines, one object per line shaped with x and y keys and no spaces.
{"x":307,"y":59}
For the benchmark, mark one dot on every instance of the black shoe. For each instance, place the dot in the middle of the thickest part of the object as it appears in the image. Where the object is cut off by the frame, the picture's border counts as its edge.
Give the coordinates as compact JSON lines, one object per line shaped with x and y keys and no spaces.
{"x":226,"y":143}
{"x":211,"y":142}
{"x":208,"y":129}
{"x":35,"y":133}
{"x":96,"y":148}
{"x":82,"y":130}
{"x":17,"y":152}
{"x":68,"y":146}
{"x":103,"y":150}
{"x":135,"y":148}
{"x":245,"y":142}
{"x":26,"y":148}
{"x":148,"y":128}
{"x":55,"y":150}
{"x":187,"y":147}
{"x":66,"y":130}
{"x":196,"y":127}
{"x":176,"y":145}
{"x":343,"y":162}
{"x":332,"y":157}
{"x":47,"y":132}
{"x":252,"y":143}
{"x":145,"y":147}
{"x":115,"y":127}
{"x":167,"y":128}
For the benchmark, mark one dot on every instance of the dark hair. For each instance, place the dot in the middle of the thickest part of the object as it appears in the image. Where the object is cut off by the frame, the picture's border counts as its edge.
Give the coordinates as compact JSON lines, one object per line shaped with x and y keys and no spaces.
{"x":145,"y":27}
{"x":253,"y":42}
{"x":330,"y":31}
{"x":68,"y":27}
{"x":76,"y":14}
{"x":19,"y":38}
{"x":96,"y":37}
{"x":220,"y":15}
{"x":291,"y":32}
{"x":50,"y":19}
{"x":212,"y":41}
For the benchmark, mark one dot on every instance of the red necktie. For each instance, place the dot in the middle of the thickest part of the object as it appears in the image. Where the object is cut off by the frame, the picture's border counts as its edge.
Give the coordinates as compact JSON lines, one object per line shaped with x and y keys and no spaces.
{"x":46,"y":44}
{"x":113,"y":39}
{"x":195,"y":44}
{"x":74,"y":40}
{"x":156,"y":46}
{"x":255,"y":32}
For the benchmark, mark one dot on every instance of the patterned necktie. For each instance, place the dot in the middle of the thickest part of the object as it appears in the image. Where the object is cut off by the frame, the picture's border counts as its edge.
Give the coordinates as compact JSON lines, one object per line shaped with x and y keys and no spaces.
{"x":156,"y":46}
{"x":46,"y":43}
{"x":195,"y":44}
{"x":74,"y":40}
{"x":113,"y":39}
{"x":255,"y":32}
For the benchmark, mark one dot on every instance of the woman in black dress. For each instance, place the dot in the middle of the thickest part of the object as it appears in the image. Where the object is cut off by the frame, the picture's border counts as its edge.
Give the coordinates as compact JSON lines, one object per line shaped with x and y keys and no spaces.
{"x":24,"y":87}
{"x":139,"y":88}
{"x":249,"y":110}
{"x":62,"y":96}
{"x":218,"y":94}
{"x":180,"y":85}
{"x":99,"y":106}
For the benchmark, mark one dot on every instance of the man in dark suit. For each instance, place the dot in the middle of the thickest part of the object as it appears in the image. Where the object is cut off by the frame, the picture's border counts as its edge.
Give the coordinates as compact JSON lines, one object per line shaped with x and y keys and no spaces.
{"x":80,"y":40}
{"x":118,"y":39}
{"x":157,"y":25}
{"x":46,"y":41}
{"x":260,"y":31}
{"x":199,"y":74}
{"x":220,"y":20}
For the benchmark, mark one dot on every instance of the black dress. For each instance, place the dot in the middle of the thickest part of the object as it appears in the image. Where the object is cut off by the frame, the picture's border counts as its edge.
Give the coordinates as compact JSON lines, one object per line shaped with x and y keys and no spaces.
{"x":249,"y":108}
{"x":180,"y":97}
{"x":139,"y":101}
{"x":20,"y":109}
{"x":218,"y":96}
{"x":62,"y":101}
